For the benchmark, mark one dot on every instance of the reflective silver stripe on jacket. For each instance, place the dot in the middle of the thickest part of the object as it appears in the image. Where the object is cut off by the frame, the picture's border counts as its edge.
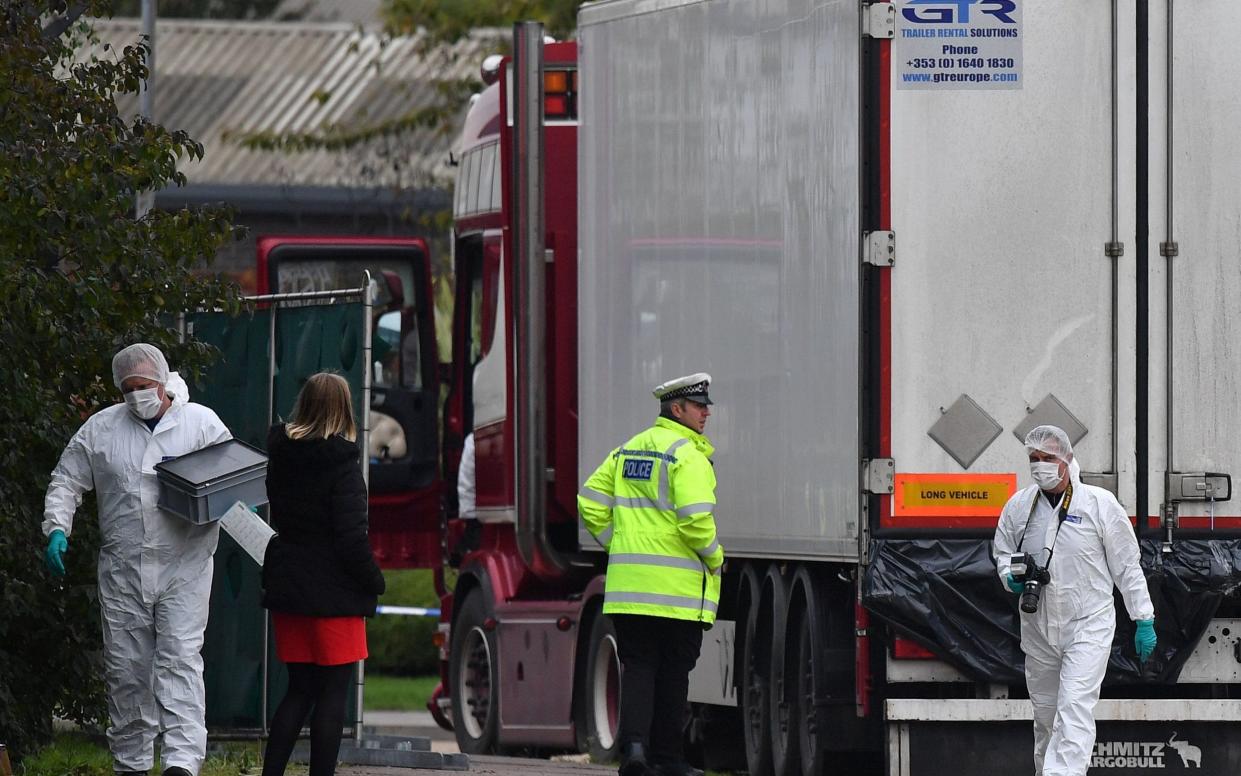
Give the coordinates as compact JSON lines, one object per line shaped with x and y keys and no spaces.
{"x":710,"y":548}
{"x":638,"y":502}
{"x":590,"y":494}
{"x":663,"y":472}
{"x":659,"y":599}
{"x":605,"y":536}
{"x":645,"y":559}
{"x":689,"y":510}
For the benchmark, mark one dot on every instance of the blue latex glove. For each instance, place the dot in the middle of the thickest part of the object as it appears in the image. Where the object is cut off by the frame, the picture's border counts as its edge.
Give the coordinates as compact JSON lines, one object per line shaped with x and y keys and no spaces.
{"x":1013,"y":584}
{"x":1144,"y":639}
{"x":57,"y":545}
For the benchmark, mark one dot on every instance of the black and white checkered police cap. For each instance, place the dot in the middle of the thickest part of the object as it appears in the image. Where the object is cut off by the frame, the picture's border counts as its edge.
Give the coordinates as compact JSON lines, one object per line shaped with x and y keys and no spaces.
{"x":693,"y":387}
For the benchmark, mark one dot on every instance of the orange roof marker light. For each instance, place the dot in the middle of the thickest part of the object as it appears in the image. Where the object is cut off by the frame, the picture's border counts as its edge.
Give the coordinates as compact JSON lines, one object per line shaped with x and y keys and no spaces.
{"x":560,"y":94}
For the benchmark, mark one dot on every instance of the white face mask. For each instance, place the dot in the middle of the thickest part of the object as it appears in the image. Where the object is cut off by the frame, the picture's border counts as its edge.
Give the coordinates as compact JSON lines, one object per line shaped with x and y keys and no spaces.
{"x":1046,"y":474}
{"x":145,"y":403}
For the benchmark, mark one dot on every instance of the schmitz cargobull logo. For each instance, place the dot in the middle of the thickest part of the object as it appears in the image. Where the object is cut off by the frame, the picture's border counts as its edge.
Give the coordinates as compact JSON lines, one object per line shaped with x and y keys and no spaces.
{"x":1146,"y":754}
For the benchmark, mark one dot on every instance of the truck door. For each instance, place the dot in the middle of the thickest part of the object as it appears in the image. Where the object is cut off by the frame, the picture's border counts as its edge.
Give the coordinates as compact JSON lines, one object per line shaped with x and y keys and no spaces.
{"x":405,"y":480}
{"x":1009,"y":257}
{"x":1195,"y":274}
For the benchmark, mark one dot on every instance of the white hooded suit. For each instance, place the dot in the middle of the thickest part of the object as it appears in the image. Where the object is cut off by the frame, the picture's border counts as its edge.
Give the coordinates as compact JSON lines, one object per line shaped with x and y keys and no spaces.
{"x":1067,"y":642}
{"x":154,"y":575}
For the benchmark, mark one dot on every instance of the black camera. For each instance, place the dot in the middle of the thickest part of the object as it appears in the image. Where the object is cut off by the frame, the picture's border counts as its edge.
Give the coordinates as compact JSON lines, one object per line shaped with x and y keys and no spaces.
{"x":1033,"y":578}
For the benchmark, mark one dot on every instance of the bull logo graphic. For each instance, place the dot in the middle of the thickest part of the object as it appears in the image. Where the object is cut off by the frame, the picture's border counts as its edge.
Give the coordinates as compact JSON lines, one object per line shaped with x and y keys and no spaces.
{"x":1188,"y":752}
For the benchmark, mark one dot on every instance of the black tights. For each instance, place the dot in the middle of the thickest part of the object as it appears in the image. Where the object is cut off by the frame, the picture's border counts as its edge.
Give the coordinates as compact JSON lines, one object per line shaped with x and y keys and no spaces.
{"x":324,"y":688}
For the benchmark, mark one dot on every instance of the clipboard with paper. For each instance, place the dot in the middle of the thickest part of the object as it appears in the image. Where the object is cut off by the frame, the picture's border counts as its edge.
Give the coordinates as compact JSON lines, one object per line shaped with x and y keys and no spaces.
{"x":247,"y":529}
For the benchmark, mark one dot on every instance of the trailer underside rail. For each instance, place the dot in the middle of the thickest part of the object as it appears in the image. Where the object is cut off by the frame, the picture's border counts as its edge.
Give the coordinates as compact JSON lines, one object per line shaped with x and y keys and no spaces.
{"x":1134,"y":736}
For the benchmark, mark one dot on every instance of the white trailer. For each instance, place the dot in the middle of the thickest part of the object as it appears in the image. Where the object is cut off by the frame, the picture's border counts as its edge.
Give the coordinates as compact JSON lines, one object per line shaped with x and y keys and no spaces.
{"x":899,"y":236}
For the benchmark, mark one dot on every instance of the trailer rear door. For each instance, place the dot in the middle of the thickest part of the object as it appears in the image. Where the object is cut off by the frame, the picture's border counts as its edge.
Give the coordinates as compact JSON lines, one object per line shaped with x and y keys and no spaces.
{"x":1004,"y":300}
{"x":1195,"y":217}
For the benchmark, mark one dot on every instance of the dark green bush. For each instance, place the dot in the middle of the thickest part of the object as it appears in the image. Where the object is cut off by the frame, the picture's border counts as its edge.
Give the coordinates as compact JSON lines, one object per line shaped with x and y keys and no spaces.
{"x":79,"y":277}
{"x":401,"y":645}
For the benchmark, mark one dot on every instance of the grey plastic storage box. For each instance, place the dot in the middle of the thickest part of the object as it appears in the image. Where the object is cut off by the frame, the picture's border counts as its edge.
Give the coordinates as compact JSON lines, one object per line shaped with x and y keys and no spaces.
{"x":202,"y":485}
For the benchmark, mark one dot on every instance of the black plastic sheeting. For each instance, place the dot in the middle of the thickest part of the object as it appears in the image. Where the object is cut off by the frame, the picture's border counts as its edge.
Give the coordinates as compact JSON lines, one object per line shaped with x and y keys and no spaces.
{"x":945,"y":595}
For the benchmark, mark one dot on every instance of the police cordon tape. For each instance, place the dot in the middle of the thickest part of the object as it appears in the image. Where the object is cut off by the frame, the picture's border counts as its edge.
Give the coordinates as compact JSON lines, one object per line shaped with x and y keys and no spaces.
{"x":408,"y":611}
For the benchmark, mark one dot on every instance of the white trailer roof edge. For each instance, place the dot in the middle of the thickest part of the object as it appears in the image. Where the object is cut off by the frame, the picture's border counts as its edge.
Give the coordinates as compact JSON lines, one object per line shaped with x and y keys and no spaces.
{"x":604,"y":11}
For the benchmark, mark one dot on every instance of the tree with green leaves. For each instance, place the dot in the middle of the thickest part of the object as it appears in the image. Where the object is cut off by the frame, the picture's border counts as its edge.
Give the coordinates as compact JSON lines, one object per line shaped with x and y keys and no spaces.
{"x":202,"y":9}
{"x":80,"y":276}
{"x":450,"y":20}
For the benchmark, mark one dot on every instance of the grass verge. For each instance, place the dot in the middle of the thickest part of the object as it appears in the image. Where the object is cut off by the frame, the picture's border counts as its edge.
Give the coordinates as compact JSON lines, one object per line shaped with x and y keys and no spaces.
{"x":78,"y":754}
{"x":397,"y":693}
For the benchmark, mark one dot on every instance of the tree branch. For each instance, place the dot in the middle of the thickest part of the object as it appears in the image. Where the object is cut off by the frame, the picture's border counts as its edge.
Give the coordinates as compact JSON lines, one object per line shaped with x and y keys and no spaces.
{"x":58,"y":26}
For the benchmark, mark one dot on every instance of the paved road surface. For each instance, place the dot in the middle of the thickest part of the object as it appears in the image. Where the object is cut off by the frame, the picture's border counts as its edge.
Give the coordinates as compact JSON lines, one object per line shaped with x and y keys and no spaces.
{"x":410,"y":723}
{"x":491,"y":766}
{"x":405,"y":723}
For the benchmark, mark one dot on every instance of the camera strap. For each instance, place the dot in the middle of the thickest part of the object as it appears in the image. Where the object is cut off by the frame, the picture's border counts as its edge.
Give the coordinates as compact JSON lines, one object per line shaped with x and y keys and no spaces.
{"x":1061,"y":514}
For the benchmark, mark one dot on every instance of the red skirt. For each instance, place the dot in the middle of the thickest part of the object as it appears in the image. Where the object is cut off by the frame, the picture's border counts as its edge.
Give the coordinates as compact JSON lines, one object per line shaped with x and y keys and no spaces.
{"x":324,"y":641}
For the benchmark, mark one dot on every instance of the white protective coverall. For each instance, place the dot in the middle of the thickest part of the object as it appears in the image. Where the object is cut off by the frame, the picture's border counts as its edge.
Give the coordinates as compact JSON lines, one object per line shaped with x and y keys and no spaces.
{"x":1067,"y":642}
{"x":154,"y":575}
{"x":465,"y":481}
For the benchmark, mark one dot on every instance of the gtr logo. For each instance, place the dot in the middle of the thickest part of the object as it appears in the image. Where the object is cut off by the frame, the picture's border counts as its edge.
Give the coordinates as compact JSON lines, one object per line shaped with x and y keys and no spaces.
{"x":957,"y":11}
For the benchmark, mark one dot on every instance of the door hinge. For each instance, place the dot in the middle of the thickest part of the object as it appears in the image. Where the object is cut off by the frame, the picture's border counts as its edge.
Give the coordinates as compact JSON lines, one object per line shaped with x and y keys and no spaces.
{"x":1169,"y":249}
{"x":879,"y":20}
{"x":879,"y":248}
{"x":1109,"y":481}
{"x":1199,"y":486}
{"x":879,"y":476}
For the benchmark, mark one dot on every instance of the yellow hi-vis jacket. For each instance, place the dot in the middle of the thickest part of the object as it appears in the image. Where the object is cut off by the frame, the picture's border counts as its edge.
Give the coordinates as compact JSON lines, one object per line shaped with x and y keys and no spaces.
{"x":651,"y":504}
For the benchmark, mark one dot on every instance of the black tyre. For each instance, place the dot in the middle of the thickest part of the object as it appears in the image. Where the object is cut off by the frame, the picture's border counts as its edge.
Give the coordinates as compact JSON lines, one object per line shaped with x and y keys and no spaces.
{"x":821,"y":640}
{"x":472,"y":676}
{"x":597,"y":716}
{"x":808,"y":743}
{"x":754,"y":672}
{"x":785,"y":760}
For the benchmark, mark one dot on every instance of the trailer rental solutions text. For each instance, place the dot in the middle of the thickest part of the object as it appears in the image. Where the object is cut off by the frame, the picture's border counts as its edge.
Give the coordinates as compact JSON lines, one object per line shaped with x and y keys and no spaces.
{"x":958,"y":44}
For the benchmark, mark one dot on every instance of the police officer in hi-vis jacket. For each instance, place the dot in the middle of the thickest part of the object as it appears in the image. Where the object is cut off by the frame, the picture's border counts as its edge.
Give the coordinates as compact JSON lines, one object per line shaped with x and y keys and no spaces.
{"x":651,"y":505}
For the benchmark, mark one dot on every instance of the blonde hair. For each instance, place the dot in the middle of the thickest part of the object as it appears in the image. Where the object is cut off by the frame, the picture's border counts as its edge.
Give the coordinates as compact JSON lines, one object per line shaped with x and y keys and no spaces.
{"x":323,"y":409}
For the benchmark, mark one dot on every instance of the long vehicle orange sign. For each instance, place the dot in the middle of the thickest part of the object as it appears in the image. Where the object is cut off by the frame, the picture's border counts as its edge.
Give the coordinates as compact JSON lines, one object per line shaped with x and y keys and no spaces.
{"x":952,"y":495}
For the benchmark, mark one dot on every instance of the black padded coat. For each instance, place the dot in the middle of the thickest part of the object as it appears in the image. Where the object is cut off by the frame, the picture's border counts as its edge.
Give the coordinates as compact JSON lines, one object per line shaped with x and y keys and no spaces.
{"x":320,"y":562}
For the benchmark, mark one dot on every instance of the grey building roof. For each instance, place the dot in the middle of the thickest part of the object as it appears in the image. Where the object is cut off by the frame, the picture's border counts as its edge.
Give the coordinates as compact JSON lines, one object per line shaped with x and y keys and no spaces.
{"x":217,"y":80}
{"x":363,"y":12}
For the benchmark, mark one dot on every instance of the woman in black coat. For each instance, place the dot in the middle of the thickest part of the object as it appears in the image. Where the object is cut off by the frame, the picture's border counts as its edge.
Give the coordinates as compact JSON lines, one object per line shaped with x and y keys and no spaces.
{"x":319,"y":577}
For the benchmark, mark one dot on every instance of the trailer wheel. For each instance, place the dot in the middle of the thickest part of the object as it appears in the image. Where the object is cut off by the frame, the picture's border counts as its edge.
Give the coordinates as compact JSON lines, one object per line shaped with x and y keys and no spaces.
{"x":598,"y":706}
{"x":821,"y":641}
{"x":755,"y":672}
{"x":472,"y":674}
{"x":807,"y":718}
{"x":785,"y":760}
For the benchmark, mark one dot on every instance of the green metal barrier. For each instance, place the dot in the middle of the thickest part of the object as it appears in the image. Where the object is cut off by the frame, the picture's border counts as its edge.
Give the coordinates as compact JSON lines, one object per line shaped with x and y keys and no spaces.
{"x":238,"y":653}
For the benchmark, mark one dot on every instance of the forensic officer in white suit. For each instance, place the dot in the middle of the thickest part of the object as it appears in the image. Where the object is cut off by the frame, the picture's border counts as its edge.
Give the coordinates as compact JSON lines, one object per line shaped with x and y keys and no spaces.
{"x":1082,"y":536}
{"x":154,"y":567}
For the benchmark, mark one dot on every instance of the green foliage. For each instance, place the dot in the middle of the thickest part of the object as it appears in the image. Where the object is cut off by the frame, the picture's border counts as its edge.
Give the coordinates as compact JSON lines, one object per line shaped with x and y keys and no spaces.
{"x":398,"y":693}
{"x":203,"y":9}
{"x":79,"y":277}
{"x":451,"y":20}
{"x":79,"y":755}
{"x":401,"y":645}
{"x":70,"y":753}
